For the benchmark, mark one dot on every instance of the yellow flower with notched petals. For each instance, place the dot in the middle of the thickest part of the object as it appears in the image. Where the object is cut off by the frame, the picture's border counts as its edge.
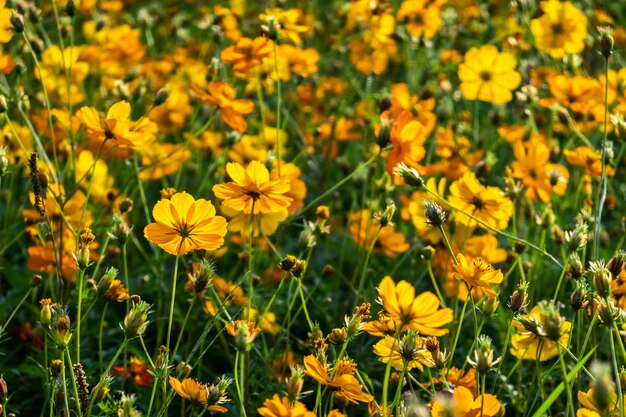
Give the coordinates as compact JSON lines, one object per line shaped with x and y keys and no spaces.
{"x":184,"y":224}
{"x":489,"y":75}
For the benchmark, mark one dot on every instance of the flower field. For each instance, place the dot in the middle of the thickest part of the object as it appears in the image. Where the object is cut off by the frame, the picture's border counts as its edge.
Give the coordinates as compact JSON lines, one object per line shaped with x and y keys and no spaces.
{"x":311,"y":208}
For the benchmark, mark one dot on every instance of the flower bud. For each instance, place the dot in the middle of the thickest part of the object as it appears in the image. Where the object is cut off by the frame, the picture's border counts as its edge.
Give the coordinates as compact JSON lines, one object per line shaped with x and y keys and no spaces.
{"x":3,"y":104}
{"x":606,"y":41}
{"x":36,"y":281}
{"x":17,"y":21}
{"x":616,"y":263}
{"x":126,"y":205}
{"x":410,"y":176}
{"x":490,"y":306}
{"x":56,"y":367}
{"x":519,"y":298}
{"x":4,"y":391}
{"x":295,"y":382}
{"x":601,"y":278}
{"x":435,"y":215}
{"x":136,"y":320}
{"x":61,"y":330}
{"x":384,"y":132}
{"x":45,"y":314}
{"x":161,"y":97}
{"x":337,"y":336}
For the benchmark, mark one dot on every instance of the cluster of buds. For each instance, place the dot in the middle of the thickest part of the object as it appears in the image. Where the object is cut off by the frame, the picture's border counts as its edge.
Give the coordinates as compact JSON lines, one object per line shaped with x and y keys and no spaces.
{"x":82,"y":256}
{"x":354,"y":323}
{"x":293,"y":265}
{"x":244,"y":333}
{"x":136,"y":320}
{"x":483,"y":360}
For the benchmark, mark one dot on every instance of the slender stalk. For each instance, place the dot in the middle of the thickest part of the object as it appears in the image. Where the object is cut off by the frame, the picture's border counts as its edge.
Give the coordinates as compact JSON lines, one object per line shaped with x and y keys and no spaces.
{"x":603,"y":177}
{"x":79,"y":315}
{"x":570,"y":401}
{"x":172,"y":301}
{"x":370,"y":249}
{"x":74,"y":387}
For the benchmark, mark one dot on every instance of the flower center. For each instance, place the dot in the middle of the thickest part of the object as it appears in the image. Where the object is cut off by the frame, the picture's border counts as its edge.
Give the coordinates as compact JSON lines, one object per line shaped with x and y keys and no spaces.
{"x":478,"y":203}
{"x":254,"y":194}
{"x":485,"y":75}
{"x":557,"y":28}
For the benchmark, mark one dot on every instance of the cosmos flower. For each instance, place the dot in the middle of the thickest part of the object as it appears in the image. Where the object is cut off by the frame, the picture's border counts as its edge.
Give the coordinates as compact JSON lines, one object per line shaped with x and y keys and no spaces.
{"x":184,"y":224}
{"x":561,"y":29}
{"x":477,"y":274}
{"x":487,"y":204}
{"x":489,"y":75}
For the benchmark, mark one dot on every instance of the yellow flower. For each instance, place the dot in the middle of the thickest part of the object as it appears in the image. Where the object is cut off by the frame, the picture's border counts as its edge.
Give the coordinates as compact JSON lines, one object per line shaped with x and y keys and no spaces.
{"x":286,"y":22}
{"x":184,"y":224}
{"x":422,"y":18}
{"x":344,"y":384}
{"x":251,"y":191}
{"x":530,"y":343}
{"x":406,"y":311}
{"x":561,"y":29}
{"x":487,"y":204}
{"x":488,"y":75}
{"x":477,"y":274}
{"x":410,"y":349}
{"x":116,"y":125}
{"x":465,"y":405}
{"x":281,"y":407}
{"x":6,"y":28}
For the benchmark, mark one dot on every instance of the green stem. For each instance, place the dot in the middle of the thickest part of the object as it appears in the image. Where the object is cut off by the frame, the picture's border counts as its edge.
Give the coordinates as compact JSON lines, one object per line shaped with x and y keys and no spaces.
{"x":79,"y":287}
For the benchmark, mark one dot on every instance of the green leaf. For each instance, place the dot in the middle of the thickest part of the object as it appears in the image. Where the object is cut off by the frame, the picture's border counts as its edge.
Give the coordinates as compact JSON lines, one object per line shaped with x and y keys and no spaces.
{"x":559,"y":389}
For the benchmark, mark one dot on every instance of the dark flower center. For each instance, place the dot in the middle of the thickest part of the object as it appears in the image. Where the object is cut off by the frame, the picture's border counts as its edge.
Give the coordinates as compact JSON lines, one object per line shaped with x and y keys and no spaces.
{"x":557,"y":29}
{"x":485,"y":75}
{"x":478,"y":203}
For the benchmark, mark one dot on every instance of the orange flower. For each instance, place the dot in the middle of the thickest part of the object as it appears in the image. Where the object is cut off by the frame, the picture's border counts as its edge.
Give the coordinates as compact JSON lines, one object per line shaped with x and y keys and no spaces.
{"x":406,"y":311}
{"x":252,"y":191}
{"x":138,"y":371}
{"x":247,"y":54}
{"x":345,"y":384}
{"x":407,"y":139}
{"x":116,"y":125}
{"x":477,"y":274}
{"x":184,"y":224}
{"x":222,"y":95}
{"x":539,"y":176}
{"x":281,"y":407}
{"x":587,"y":158}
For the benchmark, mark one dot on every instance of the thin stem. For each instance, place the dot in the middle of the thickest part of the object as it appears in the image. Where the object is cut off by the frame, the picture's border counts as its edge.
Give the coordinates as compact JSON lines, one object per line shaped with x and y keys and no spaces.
{"x":79,"y":287}
{"x":603,"y":177}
